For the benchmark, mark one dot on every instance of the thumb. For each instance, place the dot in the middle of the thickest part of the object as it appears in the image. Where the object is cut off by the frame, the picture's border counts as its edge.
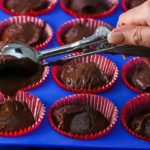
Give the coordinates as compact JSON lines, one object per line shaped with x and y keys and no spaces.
{"x":2,"y":44}
{"x":130,"y":35}
{"x":147,"y":61}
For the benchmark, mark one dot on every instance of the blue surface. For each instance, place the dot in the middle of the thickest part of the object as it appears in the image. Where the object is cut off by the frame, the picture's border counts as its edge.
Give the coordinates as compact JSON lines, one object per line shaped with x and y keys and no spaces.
{"x":49,"y":92}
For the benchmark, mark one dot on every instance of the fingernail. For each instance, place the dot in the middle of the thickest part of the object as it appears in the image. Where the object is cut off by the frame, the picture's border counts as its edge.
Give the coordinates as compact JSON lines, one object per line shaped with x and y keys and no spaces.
{"x":115,"y":37}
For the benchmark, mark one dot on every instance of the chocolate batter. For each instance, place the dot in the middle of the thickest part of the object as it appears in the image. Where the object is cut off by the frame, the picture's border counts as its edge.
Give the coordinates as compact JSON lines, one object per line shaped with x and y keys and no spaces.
{"x":141,"y":78}
{"x":79,"y":120}
{"x":76,"y":33}
{"x":24,"y":6}
{"x":140,"y":123}
{"x":88,"y":6}
{"x":16,"y":74}
{"x":27,"y":33}
{"x":83,"y":76}
{"x":15,"y":116}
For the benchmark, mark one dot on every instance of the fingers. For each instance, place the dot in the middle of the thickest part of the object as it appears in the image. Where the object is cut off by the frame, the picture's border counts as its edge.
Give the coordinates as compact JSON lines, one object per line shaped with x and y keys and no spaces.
{"x":137,"y":16}
{"x":2,"y":44}
{"x":147,"y":61}
{"x":130,"y":35}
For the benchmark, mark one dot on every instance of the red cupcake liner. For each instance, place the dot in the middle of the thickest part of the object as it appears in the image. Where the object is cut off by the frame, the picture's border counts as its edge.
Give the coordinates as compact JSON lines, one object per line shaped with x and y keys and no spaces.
{"x":49,"y":8}
{"x":36,"y":107}
{"x":106,"y":107}
{"x":128,"y":69}
{"x":98,"y":15}
{"x":43,"y":78}
{"x":93,"y":24}
{"x":124,"y":5}
{"x":23,"y":19}
{"x":134,"y":106}
{"x":107,"y":66}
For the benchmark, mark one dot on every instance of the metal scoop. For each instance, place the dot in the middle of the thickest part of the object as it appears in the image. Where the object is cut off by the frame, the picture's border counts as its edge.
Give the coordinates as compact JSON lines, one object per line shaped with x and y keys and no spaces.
{"x":98,"y":40}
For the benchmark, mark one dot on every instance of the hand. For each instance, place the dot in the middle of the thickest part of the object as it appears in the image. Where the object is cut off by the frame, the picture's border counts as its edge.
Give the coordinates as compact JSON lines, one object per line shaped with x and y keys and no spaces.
{"x":2,"y":44}
{"x":133,"y":28}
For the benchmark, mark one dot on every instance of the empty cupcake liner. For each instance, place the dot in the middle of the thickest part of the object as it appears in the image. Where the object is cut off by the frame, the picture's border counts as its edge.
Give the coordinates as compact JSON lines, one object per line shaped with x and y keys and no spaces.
{"x":107,"y":66}
{"x":36,"y":107}
{"x":128,"y":69}
{"x":124,"y":5}
{"x":93,"y":24}
{"x":98,"y":15}
{"x":50,"y":7}
{"x":134,"y":106}
{"x":106,"y":107}
{"x":43,"y":78}
{"x":24,"y":19}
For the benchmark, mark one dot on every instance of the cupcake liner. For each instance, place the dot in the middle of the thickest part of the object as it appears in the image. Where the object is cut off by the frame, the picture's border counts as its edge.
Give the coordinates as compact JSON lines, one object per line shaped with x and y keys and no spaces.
{"x":107,"y":66}
{"x":124,"y":5}
{"x":134,"y":106}
{"x":106,"y":107}
{"x":43,"y":78}
{"x":23,"y":19}
{"x":128,"y":69}
{"x":49,"y":8}
{"x":98,"y":15}
{"x":93,"y":24}
{"x":36,"y":107}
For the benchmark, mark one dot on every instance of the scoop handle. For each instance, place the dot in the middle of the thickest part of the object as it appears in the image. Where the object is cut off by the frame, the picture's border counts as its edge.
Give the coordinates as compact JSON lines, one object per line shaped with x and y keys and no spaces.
{"x":71,"y":47}
{"x":140,"y":51}
{"x":121,"y":49}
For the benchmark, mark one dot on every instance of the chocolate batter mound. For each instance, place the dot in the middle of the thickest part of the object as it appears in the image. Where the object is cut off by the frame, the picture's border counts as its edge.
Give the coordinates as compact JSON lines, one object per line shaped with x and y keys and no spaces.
{"x":83,"y":76}
{"x":17,"y":73}
{"x":140,"y":123}
{"x":24,"y":6}
{"x":79,"y":120}
{"x":27,"y":33}
{"x":76,"y":33}
{"x":15,"y":116}
{"x":134,"y":3}
{"x":141,"y":78}
{"x":88,"y":6}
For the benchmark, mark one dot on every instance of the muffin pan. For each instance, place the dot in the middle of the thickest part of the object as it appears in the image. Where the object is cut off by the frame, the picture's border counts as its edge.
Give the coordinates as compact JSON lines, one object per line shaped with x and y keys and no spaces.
{"x":49,"y":92}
